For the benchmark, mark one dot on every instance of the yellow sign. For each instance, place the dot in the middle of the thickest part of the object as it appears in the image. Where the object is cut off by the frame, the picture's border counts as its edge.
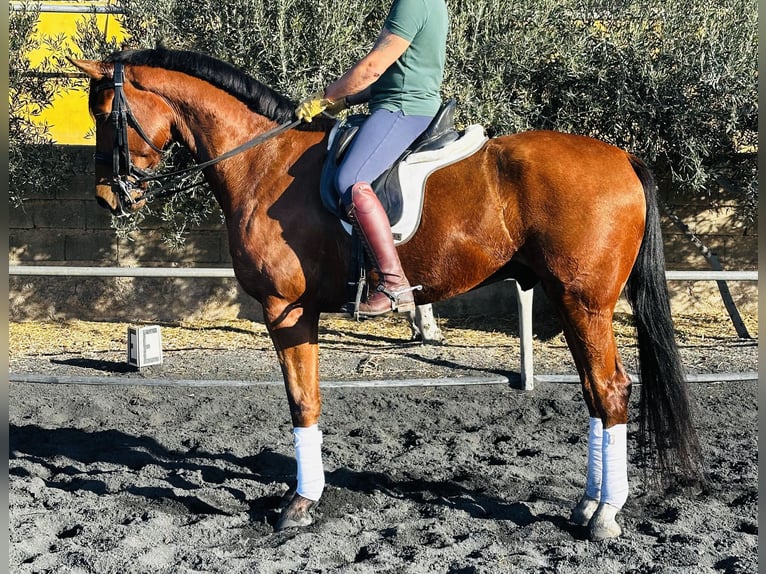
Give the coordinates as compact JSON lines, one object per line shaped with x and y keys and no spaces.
{"x":68,"y":118}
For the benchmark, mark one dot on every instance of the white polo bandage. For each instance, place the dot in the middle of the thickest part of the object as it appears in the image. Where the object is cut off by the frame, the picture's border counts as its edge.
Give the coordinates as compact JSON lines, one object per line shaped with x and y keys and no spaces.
{"x":308,"y":455}
{"x":614,"y":481}
{"x":595,"y":466}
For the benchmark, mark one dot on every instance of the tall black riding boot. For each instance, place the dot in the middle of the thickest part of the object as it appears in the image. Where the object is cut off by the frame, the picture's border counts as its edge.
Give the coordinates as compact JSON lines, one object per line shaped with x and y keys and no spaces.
{"x":393,"y":292}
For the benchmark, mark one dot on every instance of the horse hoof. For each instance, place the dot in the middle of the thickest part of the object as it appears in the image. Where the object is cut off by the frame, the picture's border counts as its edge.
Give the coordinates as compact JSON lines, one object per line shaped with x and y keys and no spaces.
{"x":584,"y":511}
{"x":297,"y":513}
{"x":603,"y":524}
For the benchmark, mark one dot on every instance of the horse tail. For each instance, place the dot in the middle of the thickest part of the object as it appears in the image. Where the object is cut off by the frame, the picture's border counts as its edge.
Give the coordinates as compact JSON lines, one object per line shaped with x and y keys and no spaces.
{"x":667,"y":434}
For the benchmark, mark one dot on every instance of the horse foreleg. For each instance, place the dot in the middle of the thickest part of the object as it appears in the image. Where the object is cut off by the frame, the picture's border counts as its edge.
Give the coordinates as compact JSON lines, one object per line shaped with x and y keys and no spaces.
{"x":294,"y":333}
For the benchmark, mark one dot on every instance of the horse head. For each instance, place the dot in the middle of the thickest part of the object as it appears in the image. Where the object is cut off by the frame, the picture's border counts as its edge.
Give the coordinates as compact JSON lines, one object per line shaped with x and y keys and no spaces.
{"x":133,"y":125}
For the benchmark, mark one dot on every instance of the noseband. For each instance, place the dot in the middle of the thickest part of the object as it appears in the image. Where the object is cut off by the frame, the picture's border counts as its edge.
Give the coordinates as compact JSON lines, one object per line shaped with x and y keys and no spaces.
{"x":126,"y":176}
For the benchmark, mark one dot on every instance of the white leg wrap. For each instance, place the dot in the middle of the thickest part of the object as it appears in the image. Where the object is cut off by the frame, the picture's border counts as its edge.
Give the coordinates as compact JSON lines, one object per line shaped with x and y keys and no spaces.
{"x":595,"y":466}
{"x":308,"y":454}
{"x":614,"y":482}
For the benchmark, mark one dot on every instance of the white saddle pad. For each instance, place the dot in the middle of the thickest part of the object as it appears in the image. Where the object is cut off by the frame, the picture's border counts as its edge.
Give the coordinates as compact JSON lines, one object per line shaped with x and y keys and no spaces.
{"x":414,"y":171}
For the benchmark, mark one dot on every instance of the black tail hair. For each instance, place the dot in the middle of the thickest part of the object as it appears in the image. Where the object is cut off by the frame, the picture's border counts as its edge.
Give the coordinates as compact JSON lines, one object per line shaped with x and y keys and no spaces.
{"x":667,"y":434}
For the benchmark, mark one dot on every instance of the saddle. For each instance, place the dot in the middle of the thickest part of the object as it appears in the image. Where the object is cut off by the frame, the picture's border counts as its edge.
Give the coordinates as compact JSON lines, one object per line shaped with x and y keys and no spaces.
{"x":440,"y":132}
{"x":400,"y":188}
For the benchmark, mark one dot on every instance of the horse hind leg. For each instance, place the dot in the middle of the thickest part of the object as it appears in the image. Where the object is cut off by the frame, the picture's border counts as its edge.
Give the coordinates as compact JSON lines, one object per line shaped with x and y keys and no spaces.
{"x":424,"y":326}
{"x":606,"y":390}
{"x":588,"y":503}
{"x":606,"y":487}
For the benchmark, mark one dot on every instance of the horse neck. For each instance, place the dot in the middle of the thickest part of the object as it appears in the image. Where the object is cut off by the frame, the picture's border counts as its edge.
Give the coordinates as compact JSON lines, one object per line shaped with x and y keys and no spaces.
{"x":209,"y":122}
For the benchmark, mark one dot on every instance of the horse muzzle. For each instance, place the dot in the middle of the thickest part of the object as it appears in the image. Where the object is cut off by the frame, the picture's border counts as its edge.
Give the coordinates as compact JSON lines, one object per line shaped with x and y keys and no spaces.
{"x":120,"y":196}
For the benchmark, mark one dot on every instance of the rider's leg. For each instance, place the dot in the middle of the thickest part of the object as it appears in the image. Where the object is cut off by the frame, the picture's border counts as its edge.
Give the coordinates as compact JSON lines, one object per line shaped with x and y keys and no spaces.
{"x":381,"y":140}
{"x":393,"y":291}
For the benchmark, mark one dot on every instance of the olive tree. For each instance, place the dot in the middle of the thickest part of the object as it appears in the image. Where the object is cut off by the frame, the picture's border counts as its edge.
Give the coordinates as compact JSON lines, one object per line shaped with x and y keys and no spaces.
{"x":35,"y":165}
{"x":673,"y":82}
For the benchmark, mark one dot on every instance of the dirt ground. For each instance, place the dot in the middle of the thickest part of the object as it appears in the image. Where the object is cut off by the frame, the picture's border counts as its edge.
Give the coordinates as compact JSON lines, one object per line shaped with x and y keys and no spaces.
{"x":120,"y":477}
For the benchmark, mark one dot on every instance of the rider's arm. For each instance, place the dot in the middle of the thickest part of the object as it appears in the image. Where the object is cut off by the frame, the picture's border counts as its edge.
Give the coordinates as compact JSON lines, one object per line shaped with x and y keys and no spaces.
{"x":387,"y":49}
{"x":359,"y":98}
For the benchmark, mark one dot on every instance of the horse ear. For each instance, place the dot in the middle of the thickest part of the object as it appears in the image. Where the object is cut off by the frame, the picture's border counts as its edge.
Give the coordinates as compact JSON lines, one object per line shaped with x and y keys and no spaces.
{"x":94,"y":69}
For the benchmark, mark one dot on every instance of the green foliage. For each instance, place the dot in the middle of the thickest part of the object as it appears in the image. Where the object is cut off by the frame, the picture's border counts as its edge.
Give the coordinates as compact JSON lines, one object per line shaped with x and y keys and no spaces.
{"x":34,"y":163}
{"x":91,"y":40}
{"x":673,"y":82}
{"x":289,"y":45}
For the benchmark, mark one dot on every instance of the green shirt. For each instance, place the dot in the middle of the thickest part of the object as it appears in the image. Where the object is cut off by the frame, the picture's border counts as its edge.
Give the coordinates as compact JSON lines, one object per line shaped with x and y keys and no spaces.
{"x":413,"y":82}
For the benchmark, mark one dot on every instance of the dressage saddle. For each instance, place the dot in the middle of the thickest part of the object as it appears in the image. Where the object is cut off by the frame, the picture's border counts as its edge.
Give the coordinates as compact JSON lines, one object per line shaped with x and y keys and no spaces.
{"x":440,"y":132}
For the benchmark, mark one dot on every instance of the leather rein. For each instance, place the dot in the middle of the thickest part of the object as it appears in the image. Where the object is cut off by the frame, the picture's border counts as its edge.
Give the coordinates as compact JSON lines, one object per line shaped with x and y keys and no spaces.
{"x":126,"y":176}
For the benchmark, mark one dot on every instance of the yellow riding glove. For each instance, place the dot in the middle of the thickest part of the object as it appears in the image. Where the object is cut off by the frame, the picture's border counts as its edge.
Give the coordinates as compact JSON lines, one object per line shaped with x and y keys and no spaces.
{"x":311,"y":107}
{"x":315,"y":104}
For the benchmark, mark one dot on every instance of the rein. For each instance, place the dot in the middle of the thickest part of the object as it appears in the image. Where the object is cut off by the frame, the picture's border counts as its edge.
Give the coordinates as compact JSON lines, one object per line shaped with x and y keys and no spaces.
{"x":126,"y":176}
{"x":201,"y":166}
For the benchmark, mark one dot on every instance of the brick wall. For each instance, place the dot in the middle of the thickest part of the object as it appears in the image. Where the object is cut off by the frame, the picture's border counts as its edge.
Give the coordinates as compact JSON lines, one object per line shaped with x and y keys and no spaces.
{"x":67,"y":227}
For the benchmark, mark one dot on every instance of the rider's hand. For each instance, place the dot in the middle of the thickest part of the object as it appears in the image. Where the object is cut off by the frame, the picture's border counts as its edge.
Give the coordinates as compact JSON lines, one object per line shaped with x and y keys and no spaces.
{"x":311,"y":107}
{"x":315,"y":104}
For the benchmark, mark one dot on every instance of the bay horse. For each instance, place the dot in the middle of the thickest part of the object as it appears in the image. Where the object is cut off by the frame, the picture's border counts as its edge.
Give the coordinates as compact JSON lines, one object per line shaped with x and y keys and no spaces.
{"x":576,"y":214}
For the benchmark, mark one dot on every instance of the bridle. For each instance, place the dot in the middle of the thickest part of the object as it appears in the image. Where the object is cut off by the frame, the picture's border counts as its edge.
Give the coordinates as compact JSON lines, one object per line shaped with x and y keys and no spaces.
{"x":125,"y":175}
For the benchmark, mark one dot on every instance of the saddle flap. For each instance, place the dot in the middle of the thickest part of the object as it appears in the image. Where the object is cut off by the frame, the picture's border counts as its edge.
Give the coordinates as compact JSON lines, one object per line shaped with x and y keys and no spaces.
{"x":411,"y":175}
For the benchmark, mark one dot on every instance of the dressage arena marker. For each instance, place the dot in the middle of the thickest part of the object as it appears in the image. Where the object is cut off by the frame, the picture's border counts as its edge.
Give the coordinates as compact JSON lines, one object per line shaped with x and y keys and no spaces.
{"x":144,"y":346}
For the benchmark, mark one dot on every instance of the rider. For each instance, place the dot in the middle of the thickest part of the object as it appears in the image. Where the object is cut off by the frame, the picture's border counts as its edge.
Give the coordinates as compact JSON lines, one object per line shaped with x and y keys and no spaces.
{"x":400,"y":78}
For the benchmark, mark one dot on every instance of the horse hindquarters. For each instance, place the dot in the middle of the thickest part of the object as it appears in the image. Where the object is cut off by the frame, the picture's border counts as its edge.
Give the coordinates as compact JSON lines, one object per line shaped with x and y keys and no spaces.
{"x":584,"y":212}
{"x":586,"y":301}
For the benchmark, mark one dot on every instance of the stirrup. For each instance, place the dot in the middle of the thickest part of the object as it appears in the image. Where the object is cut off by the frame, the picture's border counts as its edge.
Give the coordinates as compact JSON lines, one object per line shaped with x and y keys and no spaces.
{"x":394,"y":297}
